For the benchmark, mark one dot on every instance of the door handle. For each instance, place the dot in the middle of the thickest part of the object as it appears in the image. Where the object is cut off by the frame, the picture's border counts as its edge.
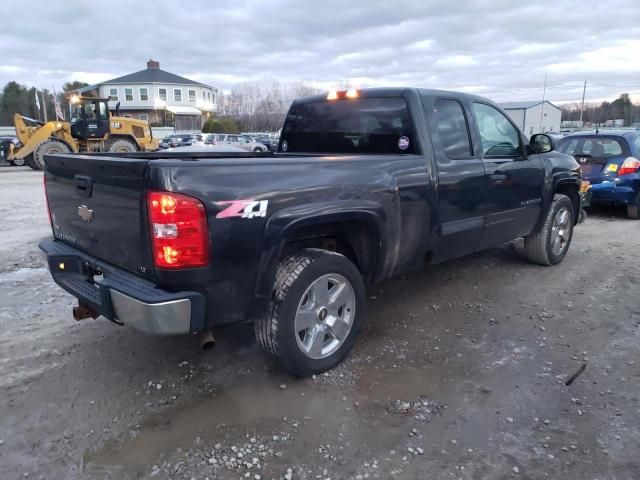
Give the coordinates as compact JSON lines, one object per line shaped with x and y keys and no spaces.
{"x":498,"y":178}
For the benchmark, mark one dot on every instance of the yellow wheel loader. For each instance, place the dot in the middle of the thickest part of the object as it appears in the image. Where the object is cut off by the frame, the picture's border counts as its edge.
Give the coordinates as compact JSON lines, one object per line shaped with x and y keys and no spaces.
{"x":91,"y":129}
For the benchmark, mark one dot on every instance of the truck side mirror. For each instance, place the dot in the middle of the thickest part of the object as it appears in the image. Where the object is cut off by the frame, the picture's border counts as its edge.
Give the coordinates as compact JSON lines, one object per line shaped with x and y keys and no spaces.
{"x":541,"y":143}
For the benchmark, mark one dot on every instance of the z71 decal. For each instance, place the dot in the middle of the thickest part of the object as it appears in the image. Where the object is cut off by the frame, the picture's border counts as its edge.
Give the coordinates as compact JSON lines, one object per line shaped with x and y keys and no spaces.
{"x":244,"y":208}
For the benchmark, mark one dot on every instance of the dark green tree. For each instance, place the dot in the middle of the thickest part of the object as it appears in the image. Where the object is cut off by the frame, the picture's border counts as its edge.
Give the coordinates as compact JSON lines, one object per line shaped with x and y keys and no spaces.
{"x":213,"y":125}
{"x":622,"y":108}
{"x":230,"y":125}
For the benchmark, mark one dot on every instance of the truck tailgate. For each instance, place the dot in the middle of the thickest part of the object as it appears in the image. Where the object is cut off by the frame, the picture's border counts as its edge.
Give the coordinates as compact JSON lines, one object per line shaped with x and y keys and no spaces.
{"x":97,"y":205}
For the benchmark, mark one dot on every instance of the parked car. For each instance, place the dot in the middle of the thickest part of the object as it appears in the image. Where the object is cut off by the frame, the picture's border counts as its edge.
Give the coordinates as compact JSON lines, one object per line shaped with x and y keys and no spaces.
{"x":269,"y":142}
{"x":238,"y":141}
{"x":610,"y":162}
{"x":181,"y":140}
{"x":164,"y":142}
{"x":364,"y":186}
{"x":5,"y":146}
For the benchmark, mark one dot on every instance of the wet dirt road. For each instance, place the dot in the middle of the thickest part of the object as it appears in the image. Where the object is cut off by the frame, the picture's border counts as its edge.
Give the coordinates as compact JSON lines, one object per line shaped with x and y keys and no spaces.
{"x":460,"y":374}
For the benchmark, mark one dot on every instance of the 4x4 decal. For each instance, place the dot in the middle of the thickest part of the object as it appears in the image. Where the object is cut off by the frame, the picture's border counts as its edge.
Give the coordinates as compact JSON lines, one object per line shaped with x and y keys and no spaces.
{"x":244,"y":208}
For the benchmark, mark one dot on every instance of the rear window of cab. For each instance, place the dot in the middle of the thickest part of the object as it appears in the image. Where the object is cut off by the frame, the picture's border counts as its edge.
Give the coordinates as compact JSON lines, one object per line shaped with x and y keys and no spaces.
{"x":363,"y":125}
{"x":595,"y":146}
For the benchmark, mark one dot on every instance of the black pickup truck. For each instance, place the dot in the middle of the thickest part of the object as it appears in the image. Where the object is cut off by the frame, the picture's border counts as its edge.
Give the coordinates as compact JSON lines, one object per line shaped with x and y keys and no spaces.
{"x":365,"y":185}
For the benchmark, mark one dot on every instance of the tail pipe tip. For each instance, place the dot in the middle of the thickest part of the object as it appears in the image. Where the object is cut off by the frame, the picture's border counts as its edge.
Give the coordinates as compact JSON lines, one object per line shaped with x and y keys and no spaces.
{"x":207,"y":342}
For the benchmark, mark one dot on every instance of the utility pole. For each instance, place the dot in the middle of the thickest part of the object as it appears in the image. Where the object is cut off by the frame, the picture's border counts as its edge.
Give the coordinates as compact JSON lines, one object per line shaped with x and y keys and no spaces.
{"x":544,"y":91}
{"x":584,"y":90}
{"x":44,"y":107}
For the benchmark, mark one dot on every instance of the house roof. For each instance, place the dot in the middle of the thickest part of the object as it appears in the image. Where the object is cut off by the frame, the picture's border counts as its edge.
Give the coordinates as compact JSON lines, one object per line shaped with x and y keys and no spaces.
{"x":153,"y":75}
{"x":524,"y":105}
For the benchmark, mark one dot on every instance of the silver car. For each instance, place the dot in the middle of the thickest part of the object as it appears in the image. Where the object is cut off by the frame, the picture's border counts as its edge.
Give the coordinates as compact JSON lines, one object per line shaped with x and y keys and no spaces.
{"x":237,"y":141}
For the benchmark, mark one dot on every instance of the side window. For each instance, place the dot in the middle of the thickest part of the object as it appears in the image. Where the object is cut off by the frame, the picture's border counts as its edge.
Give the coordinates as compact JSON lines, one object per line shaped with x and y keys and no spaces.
{"x":452,"y":128}
{"x":102,"y":113}
{"x":232,"y":139}
{"x":499,"y":138}
{"x":242,"y":140}
{"x":220,"y":138}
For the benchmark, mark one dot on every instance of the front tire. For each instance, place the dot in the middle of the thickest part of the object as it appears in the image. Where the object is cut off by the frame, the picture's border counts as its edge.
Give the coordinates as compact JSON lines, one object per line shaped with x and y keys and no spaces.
{"x":47,"y":147}
{"x":550,"y":245}
{"x":316,"y":312}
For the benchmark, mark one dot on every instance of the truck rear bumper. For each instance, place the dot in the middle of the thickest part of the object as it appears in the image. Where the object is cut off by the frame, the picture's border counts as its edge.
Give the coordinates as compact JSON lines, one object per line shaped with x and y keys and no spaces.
{"x":121,"y":296}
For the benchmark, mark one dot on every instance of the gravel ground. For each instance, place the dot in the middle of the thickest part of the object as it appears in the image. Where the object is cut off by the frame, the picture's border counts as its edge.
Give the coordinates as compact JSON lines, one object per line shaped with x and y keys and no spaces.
{"x":460,"y":374}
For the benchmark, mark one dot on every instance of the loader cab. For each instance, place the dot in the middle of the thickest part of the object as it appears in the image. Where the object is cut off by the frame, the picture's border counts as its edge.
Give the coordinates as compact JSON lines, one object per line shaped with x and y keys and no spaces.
{"x":89,"y":118}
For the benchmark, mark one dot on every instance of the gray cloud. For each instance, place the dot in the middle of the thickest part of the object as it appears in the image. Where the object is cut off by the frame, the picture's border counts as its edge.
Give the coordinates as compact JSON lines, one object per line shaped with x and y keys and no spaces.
{"x":497,"y":48}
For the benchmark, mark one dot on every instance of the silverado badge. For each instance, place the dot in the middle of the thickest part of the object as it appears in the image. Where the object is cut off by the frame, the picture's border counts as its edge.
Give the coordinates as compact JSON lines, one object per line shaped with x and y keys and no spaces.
{"x":85,"y":213}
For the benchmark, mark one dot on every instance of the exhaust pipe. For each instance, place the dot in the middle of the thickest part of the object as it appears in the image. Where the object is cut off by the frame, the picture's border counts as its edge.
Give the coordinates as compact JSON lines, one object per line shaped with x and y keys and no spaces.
{"x":82,"y":311}
{"x":207,"y":342}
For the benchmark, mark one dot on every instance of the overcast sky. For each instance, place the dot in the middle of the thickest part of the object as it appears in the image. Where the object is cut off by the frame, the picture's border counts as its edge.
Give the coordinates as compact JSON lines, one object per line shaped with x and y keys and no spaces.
{"x":501,"y":49}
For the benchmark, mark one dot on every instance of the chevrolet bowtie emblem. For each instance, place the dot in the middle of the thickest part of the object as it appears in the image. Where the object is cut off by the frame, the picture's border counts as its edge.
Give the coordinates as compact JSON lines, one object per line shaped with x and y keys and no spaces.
{"x":85,"y":213}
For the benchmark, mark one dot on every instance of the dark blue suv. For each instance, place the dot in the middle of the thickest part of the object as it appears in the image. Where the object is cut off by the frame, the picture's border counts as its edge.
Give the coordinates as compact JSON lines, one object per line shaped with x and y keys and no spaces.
{"x":610,"y":161}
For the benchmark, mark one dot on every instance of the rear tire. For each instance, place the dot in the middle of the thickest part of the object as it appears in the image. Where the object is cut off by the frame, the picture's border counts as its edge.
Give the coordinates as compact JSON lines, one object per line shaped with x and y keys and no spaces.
{"x":316,"y":312}
{"x":47,"y":147}
{"x":633,"y":211}
{"x":550,"y":245}
{"x":121,"y":145}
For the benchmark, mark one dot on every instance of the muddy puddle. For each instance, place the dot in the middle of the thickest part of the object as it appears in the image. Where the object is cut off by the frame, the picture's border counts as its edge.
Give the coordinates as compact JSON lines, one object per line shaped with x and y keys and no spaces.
{"x":257,"y":404}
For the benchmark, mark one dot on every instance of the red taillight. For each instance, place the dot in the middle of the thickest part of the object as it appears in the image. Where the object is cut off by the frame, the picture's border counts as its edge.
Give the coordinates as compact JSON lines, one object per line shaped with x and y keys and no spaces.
{"x":179,"y":230}
{"x":630,"y":165}
{"x":46,"y":198}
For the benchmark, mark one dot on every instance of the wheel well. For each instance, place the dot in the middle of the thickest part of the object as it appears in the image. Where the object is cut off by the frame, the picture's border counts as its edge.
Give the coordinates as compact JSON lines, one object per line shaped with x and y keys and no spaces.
{"x":56,"y":139}
{"x":354,"y":240}
{"x":114,"y":138}
{"x":571,"y":191}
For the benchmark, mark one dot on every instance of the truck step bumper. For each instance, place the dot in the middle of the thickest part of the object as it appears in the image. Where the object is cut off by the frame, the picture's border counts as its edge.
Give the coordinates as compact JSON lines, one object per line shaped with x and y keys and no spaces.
{"x":121,"y":296}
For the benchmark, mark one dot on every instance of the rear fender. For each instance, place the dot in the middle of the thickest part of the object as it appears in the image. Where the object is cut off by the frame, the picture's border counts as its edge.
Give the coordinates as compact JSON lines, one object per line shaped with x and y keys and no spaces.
{"x":281,"y":228}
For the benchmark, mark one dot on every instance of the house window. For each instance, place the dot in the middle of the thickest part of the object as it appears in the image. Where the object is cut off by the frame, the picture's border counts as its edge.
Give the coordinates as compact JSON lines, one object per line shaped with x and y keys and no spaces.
{"x":177,"y":94}
{"x":162,"y":93}
{"x":144,"y":116}
{"x":204,"y":96}
{"x":192,"y":95}
{"x":128,"y":94}
{"x":113,"y":94}
{"x":144,"y":94}
{"x":213,"y":97}
{"x":209,"y":95}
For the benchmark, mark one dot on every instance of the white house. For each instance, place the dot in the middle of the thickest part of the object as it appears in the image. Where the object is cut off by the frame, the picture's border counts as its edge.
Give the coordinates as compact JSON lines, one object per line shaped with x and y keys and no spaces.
{"x":534,"y":117}
{"x":159,"y":97}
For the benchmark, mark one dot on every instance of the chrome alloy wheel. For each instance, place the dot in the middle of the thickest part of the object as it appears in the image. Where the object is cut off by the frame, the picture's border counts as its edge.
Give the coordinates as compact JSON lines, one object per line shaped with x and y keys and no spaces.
{"x":325,"y":316}
{"x":560,"y":231}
